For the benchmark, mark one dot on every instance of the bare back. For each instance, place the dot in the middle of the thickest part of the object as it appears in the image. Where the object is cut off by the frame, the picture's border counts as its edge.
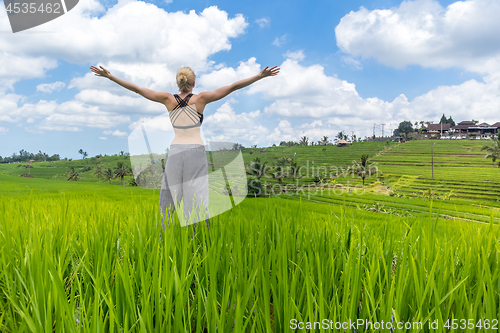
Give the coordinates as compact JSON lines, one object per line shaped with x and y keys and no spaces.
{"x":186,"y":117}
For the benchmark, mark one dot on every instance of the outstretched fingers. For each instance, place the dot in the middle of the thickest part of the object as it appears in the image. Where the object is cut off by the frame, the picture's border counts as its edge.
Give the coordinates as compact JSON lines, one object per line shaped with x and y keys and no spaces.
{"x":274,"y":70}
{"x":100,"y":72}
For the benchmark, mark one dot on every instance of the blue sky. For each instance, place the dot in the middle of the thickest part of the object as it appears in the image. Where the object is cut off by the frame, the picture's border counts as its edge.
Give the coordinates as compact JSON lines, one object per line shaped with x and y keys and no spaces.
{"x":345,"y":66}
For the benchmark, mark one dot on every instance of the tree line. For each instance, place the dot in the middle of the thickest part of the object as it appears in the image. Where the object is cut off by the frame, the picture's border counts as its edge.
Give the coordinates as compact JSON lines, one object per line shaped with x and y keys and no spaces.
{"x":25,"y":156}
{"x":305,"y":141}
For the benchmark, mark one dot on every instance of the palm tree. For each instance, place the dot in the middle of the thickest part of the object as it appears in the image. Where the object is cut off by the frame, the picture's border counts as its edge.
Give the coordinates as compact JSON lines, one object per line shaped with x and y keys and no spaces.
{"x":363,"y":168}
{"x":324,"y":140}
{"x":493,"y":151}
{"x":72,"y":174}
{"x":81,"y":152}
{"x":121,"y":171}
{"x":108,"y":175}
{"x":85,"y":154}
{"x":304,"y":141}
{"x":279,"y":172}
{"x":257,"y":168}
{"x":98,"y":172}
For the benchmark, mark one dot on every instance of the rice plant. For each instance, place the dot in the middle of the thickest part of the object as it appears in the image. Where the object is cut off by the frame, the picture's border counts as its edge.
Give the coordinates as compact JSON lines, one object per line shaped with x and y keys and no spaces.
{"x":77,"y":262}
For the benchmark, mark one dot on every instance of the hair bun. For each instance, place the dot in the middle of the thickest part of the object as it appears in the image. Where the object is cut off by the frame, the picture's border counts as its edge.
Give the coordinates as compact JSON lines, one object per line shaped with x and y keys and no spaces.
{"x":185,"y":78}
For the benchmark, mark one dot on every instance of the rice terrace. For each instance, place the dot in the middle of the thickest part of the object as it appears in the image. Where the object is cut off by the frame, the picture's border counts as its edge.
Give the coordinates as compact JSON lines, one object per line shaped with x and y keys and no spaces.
{"x":84,"y":256}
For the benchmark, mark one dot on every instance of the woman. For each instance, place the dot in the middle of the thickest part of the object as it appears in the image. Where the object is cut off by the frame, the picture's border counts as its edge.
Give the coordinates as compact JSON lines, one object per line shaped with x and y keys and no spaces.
{"x":186,"y":171}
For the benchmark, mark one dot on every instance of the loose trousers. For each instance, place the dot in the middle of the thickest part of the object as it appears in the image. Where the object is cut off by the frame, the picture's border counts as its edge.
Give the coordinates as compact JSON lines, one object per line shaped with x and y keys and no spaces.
{"x":185,"y":184}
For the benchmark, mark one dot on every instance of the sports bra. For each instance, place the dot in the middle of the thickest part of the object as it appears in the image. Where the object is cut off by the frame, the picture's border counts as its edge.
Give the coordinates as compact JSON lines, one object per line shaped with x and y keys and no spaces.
{"x":184,"y":113}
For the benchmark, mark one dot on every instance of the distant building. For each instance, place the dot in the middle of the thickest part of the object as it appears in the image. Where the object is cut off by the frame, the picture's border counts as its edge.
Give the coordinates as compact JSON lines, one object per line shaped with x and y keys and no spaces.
{"x":463,"y":127}
{"x":441,"y":128}
{"x":468,"y":127}
{"x":434,"y":134}
{"x":342,"y":143}
{"x":483,"y":128}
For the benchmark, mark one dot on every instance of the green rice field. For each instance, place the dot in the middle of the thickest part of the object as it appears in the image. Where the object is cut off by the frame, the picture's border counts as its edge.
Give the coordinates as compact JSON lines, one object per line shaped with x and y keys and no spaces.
{"x":410,"y":254}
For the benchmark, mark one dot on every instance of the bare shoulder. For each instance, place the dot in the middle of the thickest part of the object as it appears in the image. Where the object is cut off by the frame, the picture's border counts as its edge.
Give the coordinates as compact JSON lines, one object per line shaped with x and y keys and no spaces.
{"x":198,"y":100}
{"x":170,"y":101}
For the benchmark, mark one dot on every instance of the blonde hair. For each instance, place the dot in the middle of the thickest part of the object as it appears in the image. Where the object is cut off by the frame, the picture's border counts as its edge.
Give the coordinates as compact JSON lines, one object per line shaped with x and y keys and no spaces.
{"x":185,"y":78}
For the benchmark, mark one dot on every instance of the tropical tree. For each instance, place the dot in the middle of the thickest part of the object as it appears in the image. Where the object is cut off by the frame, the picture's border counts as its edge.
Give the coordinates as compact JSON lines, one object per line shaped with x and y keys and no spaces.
{"x":121,"y":171}
{"x":279,"y":169}
{"x":341,"y":136}
{"x":363,"y":168}
{"x":257,"y":168}
{"x":81,"y":152}
{"x":99,"y":172}
{"x":304,"y":141}
{"x":293,"y":166}
{"x":405,"y":127}
{"x":72,"y":174}
{"x":108,"y":175}
{"x":85,"y":154}
{"x":493,"y":151}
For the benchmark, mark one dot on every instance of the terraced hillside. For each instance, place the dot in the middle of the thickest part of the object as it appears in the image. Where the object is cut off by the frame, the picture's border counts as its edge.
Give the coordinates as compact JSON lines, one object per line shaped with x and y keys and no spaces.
{"x":328,"y":160}
{"x":459,"y":168}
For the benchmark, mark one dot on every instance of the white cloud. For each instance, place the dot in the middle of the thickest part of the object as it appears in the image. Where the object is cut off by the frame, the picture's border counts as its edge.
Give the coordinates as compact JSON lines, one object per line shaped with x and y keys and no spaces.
{"x":123,"y":34}
{"x":280,"y":40}
{"x":119,"y":134}
{"x":422,"y":32}
{"x":75,"y":122}
{"x":263,"y":22}
{"x":134,"y":49}
{"x":103,"y":138}
{"x":50,"y":87}
{"x":123,"y":104}
{"x":296,"y":55}
{"x":314,"y":131}
{"x":226,"y":125}
{"x":228,"y":75}
{"x":3,"y":130}
{"x":307,"y":92}
{"x":16,"y":67}
{"x":156,"y":76}
{"x":351,"y":62}
{"x":8,"y":106}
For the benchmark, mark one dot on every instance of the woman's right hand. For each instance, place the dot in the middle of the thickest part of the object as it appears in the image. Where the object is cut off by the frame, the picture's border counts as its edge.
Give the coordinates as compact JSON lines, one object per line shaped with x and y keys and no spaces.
{"x":270,"y":71}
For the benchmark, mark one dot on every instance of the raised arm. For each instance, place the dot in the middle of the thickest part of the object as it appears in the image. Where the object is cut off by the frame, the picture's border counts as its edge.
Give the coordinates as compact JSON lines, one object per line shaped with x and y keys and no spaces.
{"x":156,"y":96}
{"x":215,"y":95}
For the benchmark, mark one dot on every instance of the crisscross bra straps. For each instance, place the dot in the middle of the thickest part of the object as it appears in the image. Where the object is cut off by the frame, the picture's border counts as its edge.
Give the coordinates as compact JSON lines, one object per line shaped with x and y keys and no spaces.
{"x":191,"y":114}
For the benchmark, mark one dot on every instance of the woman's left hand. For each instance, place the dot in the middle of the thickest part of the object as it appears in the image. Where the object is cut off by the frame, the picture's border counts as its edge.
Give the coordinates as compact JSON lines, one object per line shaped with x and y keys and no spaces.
{"x":101,"y":72}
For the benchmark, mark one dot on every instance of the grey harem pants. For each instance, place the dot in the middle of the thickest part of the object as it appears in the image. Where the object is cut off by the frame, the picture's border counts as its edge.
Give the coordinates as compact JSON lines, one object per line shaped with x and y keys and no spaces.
{"x":185,"y":184}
